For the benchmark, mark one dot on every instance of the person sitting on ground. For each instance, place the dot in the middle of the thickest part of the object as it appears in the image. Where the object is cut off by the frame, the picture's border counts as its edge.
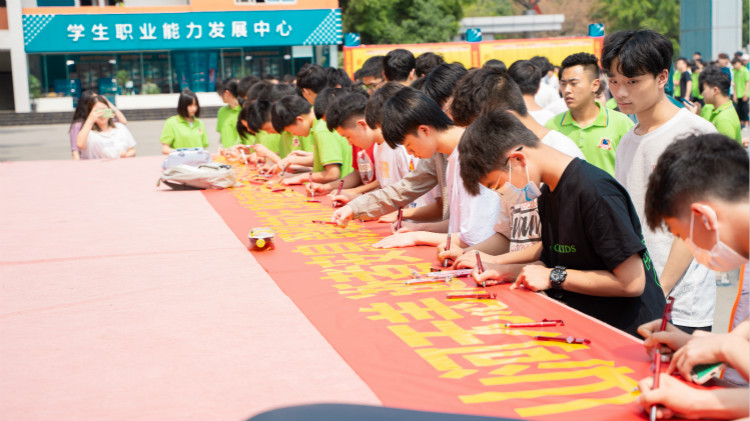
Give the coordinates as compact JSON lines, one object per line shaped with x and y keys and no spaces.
{"x":591,"y":255}
{"x":100,"y":137}
{"x":80,"y":115}
{"x":699,"y":190}
{"x":184,"y":130}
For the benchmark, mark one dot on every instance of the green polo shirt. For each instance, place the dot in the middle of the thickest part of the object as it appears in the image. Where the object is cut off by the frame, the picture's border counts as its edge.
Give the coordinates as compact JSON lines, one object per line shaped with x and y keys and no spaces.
{"x":330,"y":148}
{"x":598,"y":141}
{"x":741,"y":77}
{"x":269,"y":140}
{"x":696,"y":87}
{"x":726,"y":121}
{"x":178,"y":133}
{"x":289,"y":143}
{"x":226,"y":125}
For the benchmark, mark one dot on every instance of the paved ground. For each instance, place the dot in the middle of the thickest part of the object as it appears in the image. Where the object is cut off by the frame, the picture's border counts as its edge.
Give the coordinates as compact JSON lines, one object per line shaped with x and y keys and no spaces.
{"x":51,"y":142}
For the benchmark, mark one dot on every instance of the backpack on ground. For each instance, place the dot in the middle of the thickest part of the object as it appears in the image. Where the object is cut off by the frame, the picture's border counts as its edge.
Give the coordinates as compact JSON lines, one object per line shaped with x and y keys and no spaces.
{"x":204,"y":176}
{"x":186,"y":156}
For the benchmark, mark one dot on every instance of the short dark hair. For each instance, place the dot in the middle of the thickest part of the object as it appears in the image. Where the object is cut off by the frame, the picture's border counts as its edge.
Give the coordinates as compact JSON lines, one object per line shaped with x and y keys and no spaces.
{"x":526,"y":75}
{"x":426,"y":62}
{"x":714,"y":77}
{"x":186,"y":98}
{"x":695,"y":168}
{"x":82,"y":112}
{"x":542,"y":63}
{"x":723,"y":55}
{"x":736,"y":61}
{"x":407,"y":110}
{"x":257,"y":114}
{"x":372,"y":67}
{"x":276,"y":91}
{"x":589,"y":62}
{"x":286,"y":110}
{"x":324,"y":98}
{"x":374,"y":110}
{"x":637,"y":52}
{"x":682,"y":59}
{"x":440,"y":82}
{"x":254,"y":91}
{"x":312,"y":77}
{"x":398,"y":64}
{"x":487,"y":142}
{"x":338,"y":78}
{"x":496,"y":64}
{"x":245,"y":84}
{"x":485,"y":89}
{"x":242,"y":116}
{"x":342,"y":110}
{"x":418,"y":83}
{"x":231,"y":84}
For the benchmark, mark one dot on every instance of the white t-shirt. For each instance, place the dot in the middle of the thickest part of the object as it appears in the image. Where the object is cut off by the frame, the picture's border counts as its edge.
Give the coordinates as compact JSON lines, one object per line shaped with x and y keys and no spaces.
{"x":695,"y":293}
{"x":472,"y":217}
{"x":549,"y":99}
{"x":108,"y":145}
{"x":391,"y":165}
{"x":541,"y":116}
{"x":520,"y":222}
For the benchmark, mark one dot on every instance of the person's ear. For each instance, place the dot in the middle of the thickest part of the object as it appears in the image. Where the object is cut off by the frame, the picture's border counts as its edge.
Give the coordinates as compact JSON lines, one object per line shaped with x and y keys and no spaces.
{"x":299,"y":119}
{"x":362,"y":124}
{"x":706,"y":214}
{"x":663,"y":78}
{"x":595,"y":86}
{"x":518,"y":157}
{"x":424,"y":129}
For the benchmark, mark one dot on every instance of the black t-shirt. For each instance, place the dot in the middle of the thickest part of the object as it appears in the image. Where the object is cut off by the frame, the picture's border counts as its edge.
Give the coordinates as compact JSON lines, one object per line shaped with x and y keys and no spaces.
{"x":684,"y":79}
{"x":589,"y":223}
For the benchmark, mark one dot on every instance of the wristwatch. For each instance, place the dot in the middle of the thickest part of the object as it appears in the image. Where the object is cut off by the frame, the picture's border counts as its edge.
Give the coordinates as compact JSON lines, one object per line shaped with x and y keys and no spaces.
{"x":557,"y":277}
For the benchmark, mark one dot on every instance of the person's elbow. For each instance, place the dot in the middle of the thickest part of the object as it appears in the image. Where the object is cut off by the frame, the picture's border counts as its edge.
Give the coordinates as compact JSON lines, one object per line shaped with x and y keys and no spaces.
{"x":632,"y":276}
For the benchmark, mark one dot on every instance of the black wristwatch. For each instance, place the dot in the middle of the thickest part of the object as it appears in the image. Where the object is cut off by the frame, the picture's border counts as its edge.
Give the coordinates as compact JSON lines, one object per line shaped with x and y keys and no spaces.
{"x":557,"y":277}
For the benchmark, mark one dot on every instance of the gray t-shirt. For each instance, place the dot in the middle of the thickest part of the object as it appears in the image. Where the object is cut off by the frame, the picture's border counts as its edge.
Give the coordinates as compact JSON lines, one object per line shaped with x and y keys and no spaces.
{"x":695,"y":293}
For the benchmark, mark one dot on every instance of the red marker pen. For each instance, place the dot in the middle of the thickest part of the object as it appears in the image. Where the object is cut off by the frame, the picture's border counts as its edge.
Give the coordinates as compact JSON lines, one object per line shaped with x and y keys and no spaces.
{"x":338,"y":192}
{"x":447,"y":248}
{"x":569,"y":339}
{"x":543,"y":323}
{"x":476,"y":295}
{"x":657,"y":355}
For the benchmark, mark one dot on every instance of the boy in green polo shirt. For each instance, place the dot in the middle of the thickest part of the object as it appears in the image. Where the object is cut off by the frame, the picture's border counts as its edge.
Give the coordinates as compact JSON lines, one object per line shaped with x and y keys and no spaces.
{"x":332,"y":155}
{"x":741,"y":89}
{"x":595,"y":128}
{"x":718,"y":109}
{"x":184,"y":130}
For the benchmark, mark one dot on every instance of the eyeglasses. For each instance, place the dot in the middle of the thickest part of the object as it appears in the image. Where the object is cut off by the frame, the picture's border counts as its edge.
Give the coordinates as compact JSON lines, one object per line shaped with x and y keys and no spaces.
{"x":497,"y":182}
{"x":374,"y":85}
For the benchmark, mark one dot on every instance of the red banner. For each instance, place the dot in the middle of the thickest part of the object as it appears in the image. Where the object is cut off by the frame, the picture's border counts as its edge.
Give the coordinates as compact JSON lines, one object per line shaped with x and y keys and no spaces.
{"x":418,"y":349}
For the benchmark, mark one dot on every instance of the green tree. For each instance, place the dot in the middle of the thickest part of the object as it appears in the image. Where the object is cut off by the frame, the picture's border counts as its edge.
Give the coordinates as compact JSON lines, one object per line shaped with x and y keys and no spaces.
{"x":662,"y":16}
{"x":477,"y":8}
{"x":745,"y":18}
{"x":402,"y":21}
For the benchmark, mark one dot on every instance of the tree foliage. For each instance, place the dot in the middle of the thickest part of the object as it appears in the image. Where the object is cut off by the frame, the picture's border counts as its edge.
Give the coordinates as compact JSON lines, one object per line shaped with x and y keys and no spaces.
{"x":476,"y":8}
{"x":662,"y":16}
{"x":402,"y":21}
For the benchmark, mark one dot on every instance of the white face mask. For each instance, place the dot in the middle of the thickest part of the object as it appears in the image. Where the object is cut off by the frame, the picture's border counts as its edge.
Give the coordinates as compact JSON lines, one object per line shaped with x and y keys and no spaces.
{"x":511,"y":195}
{"x":720,"y":258}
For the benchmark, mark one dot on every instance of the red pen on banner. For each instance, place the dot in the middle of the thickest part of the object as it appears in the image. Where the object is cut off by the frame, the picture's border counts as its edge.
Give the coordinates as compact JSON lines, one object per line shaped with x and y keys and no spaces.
{"x":476,"y":295}
{"x":338,"y":192}
{"x":283,"y":171}
{"x":543,"y":323}
{"x":447,"y":248}
{"x":315,"y":221}
{"x":480,"y":268}
{"x":569,"y":340}
{"x":400,"y":217}
{"x":657,"y":355}
{"x":309,"y":186}
{"x":277,"y":190}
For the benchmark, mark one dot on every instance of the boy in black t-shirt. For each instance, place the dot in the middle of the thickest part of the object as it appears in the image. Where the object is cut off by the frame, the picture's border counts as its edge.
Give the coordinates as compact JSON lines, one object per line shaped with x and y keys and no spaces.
{"x":592,"y":256}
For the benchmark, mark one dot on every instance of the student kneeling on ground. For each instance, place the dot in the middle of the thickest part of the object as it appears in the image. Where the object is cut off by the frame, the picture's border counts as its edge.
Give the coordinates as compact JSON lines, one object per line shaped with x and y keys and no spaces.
{"x":592,"y":255}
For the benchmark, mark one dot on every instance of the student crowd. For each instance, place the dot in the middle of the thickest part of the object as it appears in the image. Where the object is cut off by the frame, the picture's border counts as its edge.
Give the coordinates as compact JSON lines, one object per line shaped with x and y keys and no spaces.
{"x":592,"y":183}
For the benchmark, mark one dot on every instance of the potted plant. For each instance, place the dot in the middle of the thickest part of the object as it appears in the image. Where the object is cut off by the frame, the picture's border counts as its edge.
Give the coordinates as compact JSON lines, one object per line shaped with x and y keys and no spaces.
{"x":35,"y":90}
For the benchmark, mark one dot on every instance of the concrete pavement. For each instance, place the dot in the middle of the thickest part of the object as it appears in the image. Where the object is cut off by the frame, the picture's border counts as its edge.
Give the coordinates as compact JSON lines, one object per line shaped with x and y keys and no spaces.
{"x":51,"y":142}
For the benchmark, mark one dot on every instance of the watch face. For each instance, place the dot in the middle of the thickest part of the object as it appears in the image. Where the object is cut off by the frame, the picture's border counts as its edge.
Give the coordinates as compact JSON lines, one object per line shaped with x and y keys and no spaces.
{"x":557,"y":275}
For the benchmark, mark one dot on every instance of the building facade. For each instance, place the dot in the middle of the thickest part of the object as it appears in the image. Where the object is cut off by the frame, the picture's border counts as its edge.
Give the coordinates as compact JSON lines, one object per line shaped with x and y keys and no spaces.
{"x":143,"y":53}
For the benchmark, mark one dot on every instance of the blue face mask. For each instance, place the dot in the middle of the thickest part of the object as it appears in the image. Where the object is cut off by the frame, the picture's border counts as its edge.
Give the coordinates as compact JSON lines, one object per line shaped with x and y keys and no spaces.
{"x":511,"y":195}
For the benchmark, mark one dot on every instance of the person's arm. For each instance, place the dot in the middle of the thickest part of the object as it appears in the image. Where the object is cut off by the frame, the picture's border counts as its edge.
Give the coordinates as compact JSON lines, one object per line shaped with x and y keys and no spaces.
{"x":747,"y":88}
{"x":490,"y":249}
{"x":677,"y":263}
{"x":118,"y":114}
{"x":83,"y":135}
{"x":166,"y":149}
{"x":429,"y":212}
{"x":626,"y":280}
{"x":409,"y":239}
{"x":362,"y":189}
{"x":688,"y":89}
{"x":351,"y":181}
{"x":128,"y":154}
{"x":709,"y":349}
{"x":76,"y":156}
{"x":677,"y":399}
{"x":330,"y":173}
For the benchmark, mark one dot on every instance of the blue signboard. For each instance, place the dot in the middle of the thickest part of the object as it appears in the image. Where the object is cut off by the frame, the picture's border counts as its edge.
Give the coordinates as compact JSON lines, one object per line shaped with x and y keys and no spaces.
{"x":170,"y":31}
